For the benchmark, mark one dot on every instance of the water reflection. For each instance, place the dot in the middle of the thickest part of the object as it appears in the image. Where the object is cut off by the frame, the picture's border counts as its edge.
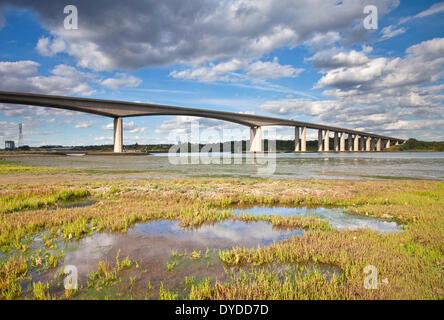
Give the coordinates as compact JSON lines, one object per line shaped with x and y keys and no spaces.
{"x":336,"y":217}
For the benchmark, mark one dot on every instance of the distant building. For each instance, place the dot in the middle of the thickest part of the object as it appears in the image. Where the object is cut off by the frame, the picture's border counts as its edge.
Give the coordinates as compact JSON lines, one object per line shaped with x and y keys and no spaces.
{"x":9,"y":145}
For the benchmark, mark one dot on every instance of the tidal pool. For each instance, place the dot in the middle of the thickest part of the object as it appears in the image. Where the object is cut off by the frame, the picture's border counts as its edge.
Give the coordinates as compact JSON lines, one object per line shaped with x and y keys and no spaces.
{"x":163,"y":251}
{"x":156,"y":245}
{"x":336,"y":217}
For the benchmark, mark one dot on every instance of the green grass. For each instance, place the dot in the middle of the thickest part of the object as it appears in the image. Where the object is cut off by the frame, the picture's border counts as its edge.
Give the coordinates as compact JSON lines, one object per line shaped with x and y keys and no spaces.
{"x":392,"y":177}
{"x":12,"y":167}
{"x":37,"y":199}
{"x":410,"y":262}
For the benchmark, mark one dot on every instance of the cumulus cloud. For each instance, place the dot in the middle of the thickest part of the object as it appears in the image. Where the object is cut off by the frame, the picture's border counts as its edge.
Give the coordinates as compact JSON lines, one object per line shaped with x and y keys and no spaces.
{"x":422,"y":65}
{"x":334,"y":58}
{"x":113,"y":35}
{"x":377,"y":94}
{"x":271,"y":70}
{"x":121,"y":81}
{"x":214,"y":72}
{"x":321,"y":40}
{"x":254,"y":71}
{"x":47,"y":47}
{"x":24,"y":76}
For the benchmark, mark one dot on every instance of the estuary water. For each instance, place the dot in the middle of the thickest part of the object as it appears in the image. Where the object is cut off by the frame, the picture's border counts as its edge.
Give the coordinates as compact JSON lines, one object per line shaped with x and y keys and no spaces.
{"x":354,"y":166}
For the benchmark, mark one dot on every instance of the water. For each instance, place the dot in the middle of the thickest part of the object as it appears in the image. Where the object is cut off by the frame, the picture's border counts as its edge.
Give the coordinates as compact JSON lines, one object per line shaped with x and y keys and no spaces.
{"x":152,"y":245}
{"x":337,"y":218}
{"x":154,"y":242}
{"x":355,"y":166}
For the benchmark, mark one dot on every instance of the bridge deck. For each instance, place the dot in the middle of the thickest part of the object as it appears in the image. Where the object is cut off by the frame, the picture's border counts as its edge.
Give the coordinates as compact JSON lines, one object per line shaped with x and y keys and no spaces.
{"x":111,"y":108}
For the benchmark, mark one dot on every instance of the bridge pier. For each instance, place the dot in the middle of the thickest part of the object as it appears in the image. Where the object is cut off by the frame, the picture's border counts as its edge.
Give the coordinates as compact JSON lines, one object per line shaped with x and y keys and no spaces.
{"x":300,"y":145}
{"x":256,"y":139}
{"x":350,"y":142}
{"x":336,"y":141}
{"x":320,"y":140}
{"x":342,"y":143}
{"x":303,"y":139}
{"x":356,"y":143}
{"x":327,"y":141}
{"x":368,"y":144}
{"x":378,"y":144}
{"x":387,"y":145}
{"x":297,"y":144}
{"x":118,"y":134}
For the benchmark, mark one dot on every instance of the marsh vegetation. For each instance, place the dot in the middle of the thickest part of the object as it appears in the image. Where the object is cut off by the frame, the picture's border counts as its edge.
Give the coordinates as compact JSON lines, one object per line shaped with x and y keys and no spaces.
{"x":310,"y":258}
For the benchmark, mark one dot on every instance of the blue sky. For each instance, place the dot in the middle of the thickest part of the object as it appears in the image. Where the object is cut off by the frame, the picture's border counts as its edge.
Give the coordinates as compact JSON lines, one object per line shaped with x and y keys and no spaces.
{"x":307,"y":60}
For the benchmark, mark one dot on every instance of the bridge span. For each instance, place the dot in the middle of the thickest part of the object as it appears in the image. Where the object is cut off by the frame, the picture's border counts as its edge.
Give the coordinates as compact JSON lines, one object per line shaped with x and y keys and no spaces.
{"x":355,"y":140}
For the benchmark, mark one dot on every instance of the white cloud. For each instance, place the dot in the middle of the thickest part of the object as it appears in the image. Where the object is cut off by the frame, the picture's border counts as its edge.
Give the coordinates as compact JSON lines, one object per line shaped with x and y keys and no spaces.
{"x":334,"y":58}
{"x":121,"y":81}
{"x":378,"y":94}
{"x":238,"y":71}
{"x":218,"y":72}
{"x":322,"y":40}
{"x":434,"y":9}
{"x":83,"y":124}
{"x":47,"y":47}
{"x":430,"y":48}
{"x":271,"y":70}
{"x":103,"y":139}
{"x":109,"y":126}
{"x":354,"y":75}
{"x":129,"y":126}
{"x":24,"y":76}
{"x":390,"y":32}
{"x":202,"y":130}
{"x":115,"y":36}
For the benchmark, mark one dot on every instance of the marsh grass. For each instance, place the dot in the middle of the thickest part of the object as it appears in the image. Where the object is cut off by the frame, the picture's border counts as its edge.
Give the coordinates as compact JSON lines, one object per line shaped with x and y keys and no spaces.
{"x":410,"y":262}
{"x":37,"y":199}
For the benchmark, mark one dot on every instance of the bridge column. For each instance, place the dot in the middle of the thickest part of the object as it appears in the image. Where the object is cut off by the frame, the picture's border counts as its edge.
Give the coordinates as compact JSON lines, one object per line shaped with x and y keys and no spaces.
{"x":387,"y":145}
{"x":368,"y":144}
{"x":356,"y":143}
{"x":297,"y":145}
{"x":327,"y":141}
{"x":320,"y":140}
{"x":336,"y":141}
{"x":118,"y":135}
{"x":396,"y":143}
{"x":378,"y":144}
{"x":350,"y":142}
{"x":342,"y":146}
{"x":256,"y":139}
{"x":303,"y":139}
{"x":361,"y":144}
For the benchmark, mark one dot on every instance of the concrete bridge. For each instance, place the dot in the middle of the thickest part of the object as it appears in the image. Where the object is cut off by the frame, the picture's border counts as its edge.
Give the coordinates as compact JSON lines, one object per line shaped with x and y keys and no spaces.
{"x":344,"y":139}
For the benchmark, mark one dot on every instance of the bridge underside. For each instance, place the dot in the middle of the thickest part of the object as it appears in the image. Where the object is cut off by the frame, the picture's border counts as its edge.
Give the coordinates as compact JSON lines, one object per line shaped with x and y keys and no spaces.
{"x":362,"y":141}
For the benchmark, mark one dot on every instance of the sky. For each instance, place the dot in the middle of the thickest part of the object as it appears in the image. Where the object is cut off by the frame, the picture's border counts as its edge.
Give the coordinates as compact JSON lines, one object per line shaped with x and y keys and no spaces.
{"x":309,"y":60}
